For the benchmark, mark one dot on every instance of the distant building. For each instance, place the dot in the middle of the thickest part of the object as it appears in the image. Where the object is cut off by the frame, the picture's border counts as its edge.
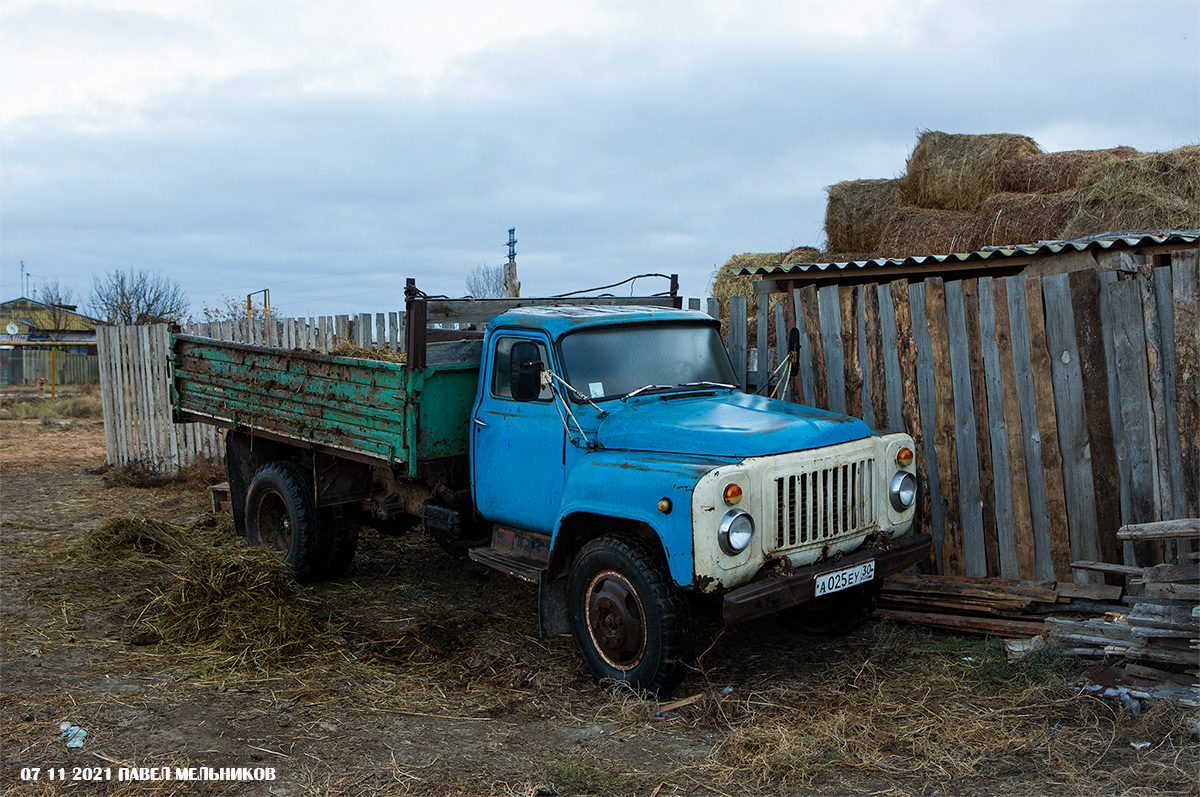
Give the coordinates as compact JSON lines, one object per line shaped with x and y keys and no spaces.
{"x":31,"y":324}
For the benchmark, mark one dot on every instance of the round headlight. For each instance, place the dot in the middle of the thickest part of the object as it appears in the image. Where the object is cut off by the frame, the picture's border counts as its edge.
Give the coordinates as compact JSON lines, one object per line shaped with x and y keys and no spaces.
{"x":904,"y":491}
{"x":737,"y":529}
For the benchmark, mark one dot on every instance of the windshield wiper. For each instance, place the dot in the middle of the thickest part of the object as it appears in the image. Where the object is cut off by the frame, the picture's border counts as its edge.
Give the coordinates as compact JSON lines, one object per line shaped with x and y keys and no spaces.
{"x":705,"y":384}
{"x":644,"y":388}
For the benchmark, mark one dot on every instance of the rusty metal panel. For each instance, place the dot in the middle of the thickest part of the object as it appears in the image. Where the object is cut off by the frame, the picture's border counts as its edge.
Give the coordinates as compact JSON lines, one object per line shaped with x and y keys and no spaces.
{"x":381,"y":410}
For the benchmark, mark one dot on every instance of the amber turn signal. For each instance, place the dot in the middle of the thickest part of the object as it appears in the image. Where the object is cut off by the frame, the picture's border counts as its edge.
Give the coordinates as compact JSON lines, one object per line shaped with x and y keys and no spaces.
{"x":904,"y":457}
{"x":732,"y":494}
{"x":664,"y":506}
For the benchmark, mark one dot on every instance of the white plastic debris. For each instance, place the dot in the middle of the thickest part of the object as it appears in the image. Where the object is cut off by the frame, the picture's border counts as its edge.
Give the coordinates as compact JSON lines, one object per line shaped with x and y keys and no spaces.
{"x":73,"y":734}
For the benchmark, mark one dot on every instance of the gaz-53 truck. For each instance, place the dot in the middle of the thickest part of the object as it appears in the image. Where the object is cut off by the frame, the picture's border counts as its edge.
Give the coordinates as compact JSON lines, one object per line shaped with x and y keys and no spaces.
{"x":602,"y":452}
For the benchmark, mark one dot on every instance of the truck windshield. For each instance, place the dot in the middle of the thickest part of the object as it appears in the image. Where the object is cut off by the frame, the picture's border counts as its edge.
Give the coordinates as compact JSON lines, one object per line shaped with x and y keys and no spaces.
{"x":612,"y":362}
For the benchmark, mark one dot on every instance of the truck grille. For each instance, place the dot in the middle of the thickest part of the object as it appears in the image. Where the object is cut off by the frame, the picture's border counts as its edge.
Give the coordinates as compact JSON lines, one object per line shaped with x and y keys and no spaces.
{"x":823,"y":505}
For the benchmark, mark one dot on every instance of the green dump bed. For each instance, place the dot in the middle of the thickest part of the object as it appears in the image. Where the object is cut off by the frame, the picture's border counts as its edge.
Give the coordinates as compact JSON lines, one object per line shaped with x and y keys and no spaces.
{"x":367,"y":409}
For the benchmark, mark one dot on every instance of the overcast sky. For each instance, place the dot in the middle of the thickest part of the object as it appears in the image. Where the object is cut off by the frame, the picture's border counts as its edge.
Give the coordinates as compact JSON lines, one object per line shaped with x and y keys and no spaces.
{"x":328,"y":150}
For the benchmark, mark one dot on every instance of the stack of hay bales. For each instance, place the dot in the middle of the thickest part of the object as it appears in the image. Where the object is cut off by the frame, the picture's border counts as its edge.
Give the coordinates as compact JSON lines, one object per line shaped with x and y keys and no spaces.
{"x":960,"y":193}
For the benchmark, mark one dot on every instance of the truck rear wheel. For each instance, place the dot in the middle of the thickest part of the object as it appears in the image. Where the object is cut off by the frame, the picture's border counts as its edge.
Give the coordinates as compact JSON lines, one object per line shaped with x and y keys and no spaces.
{"x":280,"y":514}
{"x":628,"y":622}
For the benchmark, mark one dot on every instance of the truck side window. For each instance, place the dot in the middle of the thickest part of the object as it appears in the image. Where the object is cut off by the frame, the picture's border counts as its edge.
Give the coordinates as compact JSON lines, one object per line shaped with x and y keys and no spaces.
{"x":501,"y":363}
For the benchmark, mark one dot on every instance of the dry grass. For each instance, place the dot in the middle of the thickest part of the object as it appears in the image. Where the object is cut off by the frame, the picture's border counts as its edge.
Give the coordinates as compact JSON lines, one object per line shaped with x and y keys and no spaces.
{"x":1052,"y":172}
{"x":950,"y":171}
{"x":857,"y":213}
{"x":83,"y":406}
{"x":1151,"y":191}
{"x":200,"y":475}
{"x":242,"y":606}
{"x":118,"y":537}
{"x":942,"y":716}
{"x":1016,"y":219}
{"x":915,"y":232}
{"x":350,"y":349}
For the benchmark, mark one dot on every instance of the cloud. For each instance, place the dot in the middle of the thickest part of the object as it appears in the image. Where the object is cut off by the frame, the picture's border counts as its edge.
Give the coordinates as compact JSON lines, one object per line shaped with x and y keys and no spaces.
{"x":331,"y":152}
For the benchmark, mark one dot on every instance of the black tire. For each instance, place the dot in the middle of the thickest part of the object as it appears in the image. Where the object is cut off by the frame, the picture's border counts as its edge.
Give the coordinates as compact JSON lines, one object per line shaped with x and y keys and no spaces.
{"x":342,"y":534}
{"x":280,"y":514}
{"x":836,"y":615}
{"x":629,"y":624}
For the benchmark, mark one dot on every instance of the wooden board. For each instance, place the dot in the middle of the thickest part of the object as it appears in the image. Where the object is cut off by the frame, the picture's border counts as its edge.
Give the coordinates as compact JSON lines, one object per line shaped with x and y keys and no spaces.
{"x":993,"y":387}
{"x":1185,"y":285}
{"x":1070,"y":412}
{"x":1178,"y":528}
{"x":802,"y":383}
{"x":1126,"y":331}
{"x":737,"y":337}
{"x":891,"y":352}
{"x":932,"y":505}
{"x":816,"y":347}
{"x":762,"y":336}
{"x":1176,"y":504}
{"x":1018,"y":474}
{"x":966,"y":438}
{"x":1031,"y":424}
{"x":1056,"y":502}
{"x":852,"y":376}
{"x":981,"y":625}
{"x":983,"y":436}
{"x":945,"y":444}
{"x":873,"y":340}
{"x":784,"y":389}
{"x":829,"y":308}
{"x":864,"y":357}
{"x":1085,"y":309}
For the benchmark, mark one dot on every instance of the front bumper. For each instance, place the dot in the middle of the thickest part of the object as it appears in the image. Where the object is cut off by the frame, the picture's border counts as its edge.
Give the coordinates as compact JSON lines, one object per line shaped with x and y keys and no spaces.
{"x":776,"y":593}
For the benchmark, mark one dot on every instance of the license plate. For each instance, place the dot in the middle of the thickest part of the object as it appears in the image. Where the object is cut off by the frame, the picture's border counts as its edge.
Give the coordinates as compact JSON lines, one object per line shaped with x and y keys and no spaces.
{"x":839,"y":580}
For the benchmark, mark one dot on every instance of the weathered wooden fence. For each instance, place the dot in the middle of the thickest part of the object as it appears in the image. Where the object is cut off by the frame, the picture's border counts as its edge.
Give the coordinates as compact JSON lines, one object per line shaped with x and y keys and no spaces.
{"x":25,"y":366}
{"x":1049,"y":410}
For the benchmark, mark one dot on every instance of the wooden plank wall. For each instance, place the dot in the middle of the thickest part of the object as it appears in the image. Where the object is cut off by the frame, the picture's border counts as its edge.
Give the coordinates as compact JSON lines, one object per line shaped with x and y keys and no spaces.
{"x":1050,"y":410}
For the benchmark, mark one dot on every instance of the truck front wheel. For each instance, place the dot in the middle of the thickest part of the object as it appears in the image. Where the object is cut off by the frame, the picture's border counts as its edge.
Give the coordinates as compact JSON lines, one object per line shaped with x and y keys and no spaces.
{"x":280,"y":514}
{"x":628,"y":622}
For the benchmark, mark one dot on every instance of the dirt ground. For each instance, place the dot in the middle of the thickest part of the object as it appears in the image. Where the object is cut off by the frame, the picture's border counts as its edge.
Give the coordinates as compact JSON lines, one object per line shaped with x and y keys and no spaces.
{"x":433,"y":681}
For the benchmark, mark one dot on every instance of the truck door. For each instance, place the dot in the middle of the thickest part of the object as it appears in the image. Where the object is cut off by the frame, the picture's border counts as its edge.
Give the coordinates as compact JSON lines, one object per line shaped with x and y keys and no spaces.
{"x":517,"y":447}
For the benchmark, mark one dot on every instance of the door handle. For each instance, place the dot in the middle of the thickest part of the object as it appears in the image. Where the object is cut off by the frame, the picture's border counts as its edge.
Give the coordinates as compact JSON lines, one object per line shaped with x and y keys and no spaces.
{"x":478,"y":422}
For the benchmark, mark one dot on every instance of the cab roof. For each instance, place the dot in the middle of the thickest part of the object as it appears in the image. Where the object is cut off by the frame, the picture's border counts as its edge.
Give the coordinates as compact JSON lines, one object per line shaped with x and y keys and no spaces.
{"x":557,"y":320}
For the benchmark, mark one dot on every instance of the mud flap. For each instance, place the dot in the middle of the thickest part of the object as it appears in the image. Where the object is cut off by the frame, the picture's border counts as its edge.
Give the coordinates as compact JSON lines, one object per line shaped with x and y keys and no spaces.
{"x":552,"y":606}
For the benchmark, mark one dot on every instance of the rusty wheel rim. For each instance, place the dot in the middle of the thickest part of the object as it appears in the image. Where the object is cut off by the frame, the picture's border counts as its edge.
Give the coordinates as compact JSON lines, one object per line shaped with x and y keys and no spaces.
{"x":273,"y":522}
{"x":616,"y":620}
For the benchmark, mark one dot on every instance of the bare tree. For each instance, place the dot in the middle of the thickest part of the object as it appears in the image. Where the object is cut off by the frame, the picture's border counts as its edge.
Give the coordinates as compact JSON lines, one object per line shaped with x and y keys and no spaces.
{"x":57,"y":298}
{"x":138,"y":297}
{"x":485,"y":282}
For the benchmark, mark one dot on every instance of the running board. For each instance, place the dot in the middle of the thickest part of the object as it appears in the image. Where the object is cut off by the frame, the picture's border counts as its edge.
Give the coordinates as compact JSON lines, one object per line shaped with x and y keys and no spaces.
{"x":523,"y":554}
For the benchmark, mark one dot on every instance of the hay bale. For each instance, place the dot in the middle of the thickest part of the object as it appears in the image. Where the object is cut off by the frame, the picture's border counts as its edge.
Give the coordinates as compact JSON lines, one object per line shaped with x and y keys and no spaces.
{"x":952,"y":171}
{"x":1052,"y":172}
{"x":1150,"y":191}
{"x":349,"y":348}
{"x":857,"y":211}
{"x":117,"y":537}
{"x":916,"y":232}
{"x":243,"y":604}
{"x":726,"y":284}
{"x":1017,"y":219}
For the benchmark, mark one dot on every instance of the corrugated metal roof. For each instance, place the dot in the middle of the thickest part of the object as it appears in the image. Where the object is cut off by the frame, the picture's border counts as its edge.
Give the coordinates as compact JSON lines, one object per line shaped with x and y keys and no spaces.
{"x":1120,"y":239}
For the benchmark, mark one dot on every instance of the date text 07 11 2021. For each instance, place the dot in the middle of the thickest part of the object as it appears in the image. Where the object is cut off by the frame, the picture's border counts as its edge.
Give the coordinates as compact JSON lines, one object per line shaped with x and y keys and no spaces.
{"x":148,"y":773}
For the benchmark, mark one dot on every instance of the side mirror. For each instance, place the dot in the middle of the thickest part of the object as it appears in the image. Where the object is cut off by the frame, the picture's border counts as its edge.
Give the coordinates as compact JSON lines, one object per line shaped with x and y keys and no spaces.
{"x":525,"y":371}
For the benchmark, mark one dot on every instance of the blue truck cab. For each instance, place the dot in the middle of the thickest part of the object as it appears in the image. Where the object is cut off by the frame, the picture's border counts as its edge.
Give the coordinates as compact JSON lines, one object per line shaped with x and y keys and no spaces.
{"x":623,"y":469}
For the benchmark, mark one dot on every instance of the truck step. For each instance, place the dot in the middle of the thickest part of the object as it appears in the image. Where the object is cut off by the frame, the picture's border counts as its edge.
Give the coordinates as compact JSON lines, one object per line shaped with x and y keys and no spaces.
{"x":523,"y":554}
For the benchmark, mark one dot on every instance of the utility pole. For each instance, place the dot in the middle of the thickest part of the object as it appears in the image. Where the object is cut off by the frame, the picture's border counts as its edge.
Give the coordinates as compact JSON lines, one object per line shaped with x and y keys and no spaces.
{"x":512,"y":288}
